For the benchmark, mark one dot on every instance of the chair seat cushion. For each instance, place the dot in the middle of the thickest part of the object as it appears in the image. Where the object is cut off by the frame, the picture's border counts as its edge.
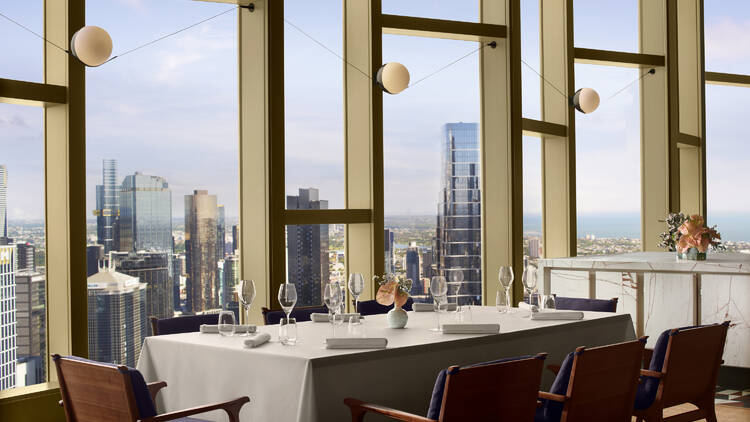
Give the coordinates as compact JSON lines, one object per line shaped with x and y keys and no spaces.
{"x":436,"y":401}
{"x":300,"y":314}
{"x":185,"y":323}
{"x":551,"y":411}
{"x":581,"y":304}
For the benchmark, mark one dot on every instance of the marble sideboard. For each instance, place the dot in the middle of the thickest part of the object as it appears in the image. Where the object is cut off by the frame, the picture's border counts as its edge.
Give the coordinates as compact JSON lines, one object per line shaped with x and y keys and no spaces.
{"x":661,"y":292}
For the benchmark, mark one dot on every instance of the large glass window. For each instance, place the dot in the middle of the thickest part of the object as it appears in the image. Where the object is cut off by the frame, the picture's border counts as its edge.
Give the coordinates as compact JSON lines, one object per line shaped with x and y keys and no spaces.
{"x":608,"y":191}
{"x":606,"y":24}
{"x":23,"y":316}
{"x":467,"y":11}
{"x":162,"y":171}
{"x":23,"y":52}
{"x":533,"y":242}
{"x":727,"y":39}
{"x":431,"y":146}
{"x":315,"y":257}
{"x":530,"y":54}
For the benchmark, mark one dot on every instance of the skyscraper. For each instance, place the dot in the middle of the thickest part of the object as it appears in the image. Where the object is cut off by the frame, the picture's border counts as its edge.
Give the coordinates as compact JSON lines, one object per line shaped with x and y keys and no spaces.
{"x":178,"y":272}
{"x":307,"y":253}
{"x":31,"y":323}
{"x":154,"y":269}
{"x":235,"y":238}
{"x":25,"y":256}
{"x":459,"y":231}
{"x":231,"y":279}
{"x":94,"y":258}
{"x":117,"y":317}
{"x":7,"y":317}
{"x":107,"y":206}
{"x":389,"y":264}
{"x":145,"y":214}
{"x":534,"y":248}
{"x":221,"y":231}
{"x":412,"y":262}
{"x":200,"y":251}
{"x":3,"y":202}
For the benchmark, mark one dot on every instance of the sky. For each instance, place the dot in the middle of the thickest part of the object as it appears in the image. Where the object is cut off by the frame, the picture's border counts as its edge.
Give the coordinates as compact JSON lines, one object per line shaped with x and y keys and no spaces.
{"x":170,"y":109}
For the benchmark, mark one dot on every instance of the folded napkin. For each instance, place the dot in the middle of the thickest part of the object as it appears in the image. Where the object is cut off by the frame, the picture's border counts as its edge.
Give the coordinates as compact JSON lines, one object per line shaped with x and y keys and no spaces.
{"x":526,"y":306}
{"x":214,"y":329}
{"x":257,"y":339}
{"x":321,"y":317}
{"x":429,"y":307}
{"x":471,"y":328}
{"x":356,"y":343}
{"x":557,"y":315}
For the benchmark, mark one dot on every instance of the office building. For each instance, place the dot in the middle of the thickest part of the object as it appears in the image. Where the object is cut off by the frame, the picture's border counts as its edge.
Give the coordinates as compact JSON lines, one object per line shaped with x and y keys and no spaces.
{"x":200,"y":251}
{"x":94,"y":259}
{"x":388,"y":236}
{"x":221,"y":231}
{"x":178,"y":274}
{"x":25,"y":256}
{"x":534,"y":248}
{"x":459,"y":233}
{"x":31,"y":325}
{"x":307,"y":250}
{"x":3,"y":202}
{"x":117,"y":319}
{"x":7,"y":317}
{"x":154,"y":269}
{"x":235,"y":238}
{"x":107,"y":207}
{"x":145,"y":222}
{"x":231,"y":277}
{"x":411,"y":261}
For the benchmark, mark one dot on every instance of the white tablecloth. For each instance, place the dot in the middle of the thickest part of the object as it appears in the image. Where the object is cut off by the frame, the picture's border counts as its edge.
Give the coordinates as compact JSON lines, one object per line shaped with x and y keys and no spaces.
{"x":306,"y":382}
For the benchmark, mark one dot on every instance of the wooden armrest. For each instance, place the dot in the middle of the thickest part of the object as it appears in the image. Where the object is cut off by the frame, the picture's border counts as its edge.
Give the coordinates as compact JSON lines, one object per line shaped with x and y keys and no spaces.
{"x":550,"y":396}
{"x":359,"y":408}
{"x":554,"y":368}
{"x":647,"y":373}
{"x":232,"y":408}
{"x":154,"y":388}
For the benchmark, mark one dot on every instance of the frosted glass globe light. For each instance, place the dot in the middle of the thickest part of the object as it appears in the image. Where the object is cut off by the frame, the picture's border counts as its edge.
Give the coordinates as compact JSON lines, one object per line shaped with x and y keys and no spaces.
{"x":91,"y":45}
{"x":393,"y":77}
{"x":586,"y":100}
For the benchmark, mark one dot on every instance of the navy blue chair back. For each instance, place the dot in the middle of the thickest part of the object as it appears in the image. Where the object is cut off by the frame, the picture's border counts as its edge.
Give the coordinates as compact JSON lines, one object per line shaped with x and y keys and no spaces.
{"x":182,"y":324}
{"x":580,"y":304}
{"x":372,"y":307}
{"x":301,"y":314}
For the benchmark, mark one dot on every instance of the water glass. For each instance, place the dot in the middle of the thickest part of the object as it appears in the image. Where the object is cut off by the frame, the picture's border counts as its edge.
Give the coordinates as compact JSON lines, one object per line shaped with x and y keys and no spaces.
{"x":438,"y":286}
{"x":548,"y":302}
{"x":356,"y":288}
{"x":440,"y":304}
{"x":226,"y":323}
{"x":288,"y":331}
{"x":502,"y":301}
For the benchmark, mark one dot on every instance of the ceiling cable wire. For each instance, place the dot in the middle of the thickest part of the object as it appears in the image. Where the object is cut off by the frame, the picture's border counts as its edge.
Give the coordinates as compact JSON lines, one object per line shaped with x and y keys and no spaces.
{"x":648,"y":72}
{"x":29,"y":30}
{"x":492,"y":44}
{"x":544,"y":79}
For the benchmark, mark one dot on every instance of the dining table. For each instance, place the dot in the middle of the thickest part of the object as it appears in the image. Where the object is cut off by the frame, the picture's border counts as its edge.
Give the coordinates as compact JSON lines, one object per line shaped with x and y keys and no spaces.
{"x":308,"y":382}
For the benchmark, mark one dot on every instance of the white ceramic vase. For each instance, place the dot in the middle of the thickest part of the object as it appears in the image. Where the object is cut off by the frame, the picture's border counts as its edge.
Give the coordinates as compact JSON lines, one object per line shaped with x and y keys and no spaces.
{"x":397,"y":317}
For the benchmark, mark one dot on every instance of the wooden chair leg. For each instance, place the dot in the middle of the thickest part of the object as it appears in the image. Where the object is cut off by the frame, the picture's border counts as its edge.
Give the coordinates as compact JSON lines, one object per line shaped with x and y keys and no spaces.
{"x":710,"y":408}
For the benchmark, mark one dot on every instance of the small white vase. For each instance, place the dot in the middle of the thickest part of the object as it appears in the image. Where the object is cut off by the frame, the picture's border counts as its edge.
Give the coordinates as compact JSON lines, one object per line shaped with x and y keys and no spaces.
{"x":397,"y":317}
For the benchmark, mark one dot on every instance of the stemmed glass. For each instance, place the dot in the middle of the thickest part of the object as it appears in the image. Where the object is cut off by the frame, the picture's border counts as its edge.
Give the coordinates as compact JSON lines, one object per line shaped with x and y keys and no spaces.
{"x":246,"y":295}
{"x":529,"y":282}
{"x":332,"y":299}
{"x":356,"y":287}
{"x":457,"y":278}
{"x":439,"y":291}
{"x":505,"y":276}
{"x":287,"y":298}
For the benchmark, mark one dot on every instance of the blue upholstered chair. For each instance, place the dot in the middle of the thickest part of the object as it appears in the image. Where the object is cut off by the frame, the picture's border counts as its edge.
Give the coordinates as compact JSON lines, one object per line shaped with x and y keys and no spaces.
{"x":93,"y":391}
{"x":580,"y":304}
{"x":301,"y":314}
{"x":372,"y":307}
{"x":682,"y":368}
{"x":181,"y":324}
{"x":504,"y":389}
{"x":597,"y":384}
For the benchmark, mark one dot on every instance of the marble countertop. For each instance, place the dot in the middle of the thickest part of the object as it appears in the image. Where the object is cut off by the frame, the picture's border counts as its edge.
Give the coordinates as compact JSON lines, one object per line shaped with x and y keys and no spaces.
{"x":724,"y":263}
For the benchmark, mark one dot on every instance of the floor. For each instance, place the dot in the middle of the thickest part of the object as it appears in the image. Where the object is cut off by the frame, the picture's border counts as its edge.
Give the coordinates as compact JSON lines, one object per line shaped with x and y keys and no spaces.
{"x":731,"y":406}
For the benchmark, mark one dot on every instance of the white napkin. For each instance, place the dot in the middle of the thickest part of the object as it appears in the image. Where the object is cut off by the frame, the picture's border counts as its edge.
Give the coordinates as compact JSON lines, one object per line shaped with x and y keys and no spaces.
{"x":471,"y":328}
{"x":214,"y":329}
{"x":356,"y":343}
{"x":556,"y":315}
{"x":429,"y":307}
{"x":526,"y":306}
{"x":321,"y":317}
{"x":256,"y":340}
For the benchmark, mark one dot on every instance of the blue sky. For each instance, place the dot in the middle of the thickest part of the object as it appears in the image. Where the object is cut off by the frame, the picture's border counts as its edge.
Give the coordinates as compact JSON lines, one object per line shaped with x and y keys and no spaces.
{"x":171,"y":109}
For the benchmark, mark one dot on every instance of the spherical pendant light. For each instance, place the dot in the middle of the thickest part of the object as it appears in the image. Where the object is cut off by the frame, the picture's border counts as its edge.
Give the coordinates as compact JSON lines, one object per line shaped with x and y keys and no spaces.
{"x":393,"y":77}
{"x":585,"y":100}
{"x":91,"y":45}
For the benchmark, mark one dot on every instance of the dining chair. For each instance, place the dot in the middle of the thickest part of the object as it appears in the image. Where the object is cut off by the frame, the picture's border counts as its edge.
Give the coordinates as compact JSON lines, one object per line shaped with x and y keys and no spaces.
{"x":596,"y":384}
{"x":301,"y":314}
{"x":372,"y":307}
{"x":100,"y":392}
{"x":181,"y":324}
{"x":683,"y":368}
{"x":581,"y":304}
{"x":504,"y":388}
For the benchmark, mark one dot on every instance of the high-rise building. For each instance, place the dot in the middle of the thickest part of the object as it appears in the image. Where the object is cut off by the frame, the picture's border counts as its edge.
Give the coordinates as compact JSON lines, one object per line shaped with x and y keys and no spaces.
{"x":31,"y":325}
{"x":388,"y":236}
{"x":3,"y":202}
{"x":94,"y":259}
{"x":178,"y":272}
{"x":459,"y":234}
{"x":534,"y":248}
{"x":231,"y":279}
{"x":117,"y":317}
{"x":307,"y":253}
{"x":221,"y":231}
{"x":107,"y":206}
{"x":25,"y":256}
{"x":7,"y":317}
{"x":412,"y":268}
{"x":427,"y":262}
{"x":235,"y":238}
{"x":154,"y":269}
{"x":145,"y":214}
{"x":200,"y":251}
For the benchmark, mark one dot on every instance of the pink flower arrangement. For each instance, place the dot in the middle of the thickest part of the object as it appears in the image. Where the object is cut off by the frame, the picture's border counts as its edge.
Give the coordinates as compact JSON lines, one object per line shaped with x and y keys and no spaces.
{"x":695,"y":234}
{"x":392,"y":289}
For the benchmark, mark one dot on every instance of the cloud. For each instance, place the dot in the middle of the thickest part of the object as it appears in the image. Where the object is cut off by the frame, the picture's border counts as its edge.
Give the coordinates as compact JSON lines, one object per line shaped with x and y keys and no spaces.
{"x":728,"y":39}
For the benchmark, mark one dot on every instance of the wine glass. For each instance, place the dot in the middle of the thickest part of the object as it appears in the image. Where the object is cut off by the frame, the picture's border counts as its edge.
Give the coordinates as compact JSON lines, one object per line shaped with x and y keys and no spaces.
{"x":529,"y":281}
{"x":226,"y":323}
{"x":439,"y":291}
{"x":457,"y":278}
{"x":287,"y":298}
{"x":505,"y":276}
{"x":332,"y":299}
{"x":246,"y":295}
{"x":356,"y":287}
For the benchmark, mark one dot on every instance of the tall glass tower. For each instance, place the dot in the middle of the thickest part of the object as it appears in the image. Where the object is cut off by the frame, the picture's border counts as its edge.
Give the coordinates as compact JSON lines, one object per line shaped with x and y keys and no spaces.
{"x":201,"y":215}
{"x":7,"y":317}
{"x":107,"y":206}
{"x":307,"y":250}
{"x":3,"y":202}
{"x":145,"y":214}
{"x":459,"y":236}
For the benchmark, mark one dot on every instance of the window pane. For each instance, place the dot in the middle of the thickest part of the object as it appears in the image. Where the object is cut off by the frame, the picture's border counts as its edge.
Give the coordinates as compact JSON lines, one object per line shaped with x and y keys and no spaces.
{"x":314,"y":99}
{"x":432,"y":164}
{"x":727,"y":39}
{"x":315,"y":256}
{"x":726,"y":160}
{"x":23,"y":313}
{"x":532,"y":198}
{"x":608,"y":168}
{"x":606,"y":24}
{"x":530,"y":33}
{"x":467,"y":11}
{"x":23,"y":52}
{"x":162,"y":165}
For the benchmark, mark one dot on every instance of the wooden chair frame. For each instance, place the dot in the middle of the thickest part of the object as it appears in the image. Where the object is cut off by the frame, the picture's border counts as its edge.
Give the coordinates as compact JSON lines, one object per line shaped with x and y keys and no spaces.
{"x":120,"y":388}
